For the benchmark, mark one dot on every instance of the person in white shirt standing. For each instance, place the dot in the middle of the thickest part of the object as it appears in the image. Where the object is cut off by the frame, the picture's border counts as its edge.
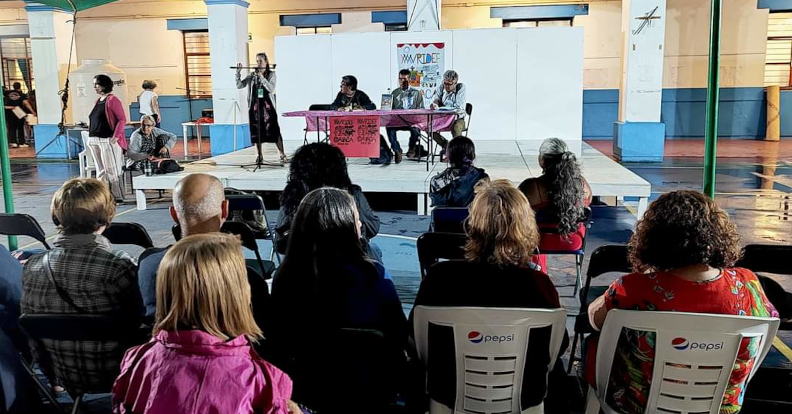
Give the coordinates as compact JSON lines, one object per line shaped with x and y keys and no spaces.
{"x":451,"y":96}
{"x":149,"y":102}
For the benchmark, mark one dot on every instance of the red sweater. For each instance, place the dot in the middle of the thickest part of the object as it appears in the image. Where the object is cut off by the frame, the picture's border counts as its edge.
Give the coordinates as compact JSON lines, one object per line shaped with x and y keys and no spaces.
{"x":116,"y":116}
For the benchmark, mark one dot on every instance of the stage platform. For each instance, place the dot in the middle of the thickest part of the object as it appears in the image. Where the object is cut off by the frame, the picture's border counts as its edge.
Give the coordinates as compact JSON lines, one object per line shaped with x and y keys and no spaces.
{"x":515,"y":161}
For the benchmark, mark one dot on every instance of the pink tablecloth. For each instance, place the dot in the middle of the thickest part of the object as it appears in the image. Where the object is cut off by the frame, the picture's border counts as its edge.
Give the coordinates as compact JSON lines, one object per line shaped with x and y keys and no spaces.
{"x":441,"y":120}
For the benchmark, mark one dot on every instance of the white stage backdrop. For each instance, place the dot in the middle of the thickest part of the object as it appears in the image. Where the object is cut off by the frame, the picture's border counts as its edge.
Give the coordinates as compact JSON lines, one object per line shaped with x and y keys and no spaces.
{"x":524,"y":83}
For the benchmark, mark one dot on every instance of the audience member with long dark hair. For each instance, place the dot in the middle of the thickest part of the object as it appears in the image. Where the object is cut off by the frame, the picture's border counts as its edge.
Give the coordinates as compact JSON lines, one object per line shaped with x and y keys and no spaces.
{"x":683,"y":252}
{"x":453,"y":187}
{"x":558,"y":197}
{"x":200,"y":358}
{"x":327,"y":281}
{"x":314,"y":166}
{"x":497,"y":271}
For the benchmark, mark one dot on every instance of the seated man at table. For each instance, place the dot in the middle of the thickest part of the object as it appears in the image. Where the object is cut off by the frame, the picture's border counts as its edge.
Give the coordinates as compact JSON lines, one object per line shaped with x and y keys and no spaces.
{"x":350,"y":98}
{"x":405,"y":97}
{"x":450,"y":96}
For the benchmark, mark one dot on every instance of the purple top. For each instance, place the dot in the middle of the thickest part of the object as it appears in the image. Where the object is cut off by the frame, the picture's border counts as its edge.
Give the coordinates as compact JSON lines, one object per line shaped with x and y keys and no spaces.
{"x":193,"y":371}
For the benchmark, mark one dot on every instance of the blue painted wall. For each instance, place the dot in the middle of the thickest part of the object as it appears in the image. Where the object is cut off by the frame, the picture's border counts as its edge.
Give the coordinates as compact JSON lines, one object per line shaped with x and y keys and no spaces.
{"x":175,"y":110}
{"x":741,"y":114}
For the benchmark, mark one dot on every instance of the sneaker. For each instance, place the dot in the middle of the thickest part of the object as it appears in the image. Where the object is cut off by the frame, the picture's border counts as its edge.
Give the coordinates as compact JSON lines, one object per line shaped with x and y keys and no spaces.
{"x":398,"y":157}
{"x":14,"y":145}
{"x":411,"y":153}
{"x":24,"y":146}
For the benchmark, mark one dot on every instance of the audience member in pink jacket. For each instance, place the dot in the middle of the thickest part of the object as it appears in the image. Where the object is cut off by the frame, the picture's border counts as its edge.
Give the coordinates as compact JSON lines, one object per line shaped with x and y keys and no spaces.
{"x":200,"y":360}
{"x":193,"y":371}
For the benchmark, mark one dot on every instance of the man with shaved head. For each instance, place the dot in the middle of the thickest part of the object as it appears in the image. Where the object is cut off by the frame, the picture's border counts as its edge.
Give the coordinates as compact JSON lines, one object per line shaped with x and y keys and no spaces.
{"x":199,"y":206}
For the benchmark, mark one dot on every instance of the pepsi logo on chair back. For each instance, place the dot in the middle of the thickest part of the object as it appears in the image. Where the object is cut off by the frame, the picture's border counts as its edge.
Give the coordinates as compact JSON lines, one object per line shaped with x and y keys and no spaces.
{"x":682,"y":344}
{"x":477,"y":338}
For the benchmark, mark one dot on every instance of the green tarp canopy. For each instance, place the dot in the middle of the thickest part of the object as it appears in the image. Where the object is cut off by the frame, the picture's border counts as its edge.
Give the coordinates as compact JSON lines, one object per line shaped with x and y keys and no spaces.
{"x":72,"y":5}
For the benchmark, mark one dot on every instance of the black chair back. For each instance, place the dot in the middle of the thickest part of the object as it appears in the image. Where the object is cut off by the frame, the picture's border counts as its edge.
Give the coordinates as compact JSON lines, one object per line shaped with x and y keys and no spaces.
{"x":771,"y":258}
{"x":19,"y":224}
{"x":47,"y":329}
{"x":609,"y":258}
{"x":435,"y":246}
{"x":585,"y":219}
{"x":767,"y":258}
{"x":359,"y":362}
{"x":469,"y":112}
{"x":239,"y":201}
{"x":128,"y":233}
{"x":449,"y":219}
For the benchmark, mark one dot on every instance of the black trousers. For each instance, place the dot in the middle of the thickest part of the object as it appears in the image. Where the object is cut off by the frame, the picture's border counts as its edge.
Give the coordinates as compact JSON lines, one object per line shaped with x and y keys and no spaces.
{"x":16,"y":129}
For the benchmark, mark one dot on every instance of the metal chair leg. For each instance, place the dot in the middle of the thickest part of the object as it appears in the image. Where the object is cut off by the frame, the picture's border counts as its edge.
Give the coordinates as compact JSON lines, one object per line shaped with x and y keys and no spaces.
{"x":579,"y":270}
{"x":77,"y":402}
{"x":42,"y":387}
{"x":572,"y":356}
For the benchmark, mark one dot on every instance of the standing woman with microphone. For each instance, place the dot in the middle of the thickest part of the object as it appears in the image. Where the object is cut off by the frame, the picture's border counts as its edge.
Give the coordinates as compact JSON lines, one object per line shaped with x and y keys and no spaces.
{"x":261,"y":105}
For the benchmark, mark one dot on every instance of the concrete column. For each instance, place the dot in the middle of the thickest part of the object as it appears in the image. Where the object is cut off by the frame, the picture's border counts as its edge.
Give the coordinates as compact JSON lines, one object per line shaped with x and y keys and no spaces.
{"x":228,"y":35}
{"x":639,"y":135}
{"x":50,"y":43}
{"x":423,"y":15}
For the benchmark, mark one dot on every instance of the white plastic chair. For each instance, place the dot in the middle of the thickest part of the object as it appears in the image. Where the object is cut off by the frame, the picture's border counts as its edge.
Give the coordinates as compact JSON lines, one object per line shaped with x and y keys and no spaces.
{"x":485,"y":350}
{"x":694,"y":357}
{"x":86,"y":158}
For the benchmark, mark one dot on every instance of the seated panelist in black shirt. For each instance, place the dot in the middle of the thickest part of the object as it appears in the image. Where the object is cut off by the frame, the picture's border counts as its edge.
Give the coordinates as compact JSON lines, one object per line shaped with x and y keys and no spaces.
{"x":350,"y":98}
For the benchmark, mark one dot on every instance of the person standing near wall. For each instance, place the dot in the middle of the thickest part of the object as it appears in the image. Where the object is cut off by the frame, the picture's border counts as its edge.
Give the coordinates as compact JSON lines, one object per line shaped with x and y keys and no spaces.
{"x":106,"y":139}
{"x":261,"y":104}
{"x":149,"y":101}
{"x":15,"y":98}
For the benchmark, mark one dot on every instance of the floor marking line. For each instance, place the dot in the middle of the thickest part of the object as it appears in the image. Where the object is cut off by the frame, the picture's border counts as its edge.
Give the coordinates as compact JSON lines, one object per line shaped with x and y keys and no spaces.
{"x":783,"y":348}
{"x":396,"y":236}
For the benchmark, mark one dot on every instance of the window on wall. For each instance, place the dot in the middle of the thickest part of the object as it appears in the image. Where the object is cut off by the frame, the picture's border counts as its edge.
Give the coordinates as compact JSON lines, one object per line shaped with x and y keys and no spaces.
{"x":314,"y":30}
{"x":197,"y":64}
{"x":537,"y":23}
{"x":778,"y":59}
{"x":17,"y":64}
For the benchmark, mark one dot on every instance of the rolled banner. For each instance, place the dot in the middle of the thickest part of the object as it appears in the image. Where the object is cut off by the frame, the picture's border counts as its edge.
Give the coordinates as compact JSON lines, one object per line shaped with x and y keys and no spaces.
{"x":773,"y":113}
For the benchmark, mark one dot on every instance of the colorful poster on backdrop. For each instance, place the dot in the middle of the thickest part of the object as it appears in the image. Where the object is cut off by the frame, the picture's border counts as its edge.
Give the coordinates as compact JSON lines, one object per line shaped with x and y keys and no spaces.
{"x":426,"y":63}
{"x":356,"y":136}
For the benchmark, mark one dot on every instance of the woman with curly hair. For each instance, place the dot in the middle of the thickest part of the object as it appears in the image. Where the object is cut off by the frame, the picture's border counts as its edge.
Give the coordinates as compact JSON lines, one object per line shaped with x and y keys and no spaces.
{"x":558,"y":197}
{"x":683,"y":252}
{"x":498,"y":272}
{"x":315,"y":166}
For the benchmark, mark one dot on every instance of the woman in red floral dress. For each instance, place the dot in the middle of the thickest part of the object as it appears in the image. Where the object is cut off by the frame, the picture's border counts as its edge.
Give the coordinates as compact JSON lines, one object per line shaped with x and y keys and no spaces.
{"x":682,"y":253}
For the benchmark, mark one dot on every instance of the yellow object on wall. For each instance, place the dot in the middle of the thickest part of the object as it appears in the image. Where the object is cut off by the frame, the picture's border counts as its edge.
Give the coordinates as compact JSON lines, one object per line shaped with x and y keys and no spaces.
{"x":773,"y":113}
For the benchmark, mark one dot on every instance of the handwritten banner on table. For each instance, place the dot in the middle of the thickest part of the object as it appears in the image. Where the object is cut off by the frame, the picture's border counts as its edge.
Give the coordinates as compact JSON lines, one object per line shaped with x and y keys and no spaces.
{"x":356,"y":136}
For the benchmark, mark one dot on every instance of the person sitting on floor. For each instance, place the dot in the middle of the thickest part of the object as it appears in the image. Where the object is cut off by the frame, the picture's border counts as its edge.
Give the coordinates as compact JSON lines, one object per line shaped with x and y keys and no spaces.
{"x":497,"y":270}
{"x":199,"y":206}
{"x":321,"y":165}
{"x":91,"y":278}
{"x":149,"y":142}
{"x":682,"y":254}
{"x":454,"y":186}
{"x":558,"y":197}
{"x":327,"y":281}
{"x":199,"y":359}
